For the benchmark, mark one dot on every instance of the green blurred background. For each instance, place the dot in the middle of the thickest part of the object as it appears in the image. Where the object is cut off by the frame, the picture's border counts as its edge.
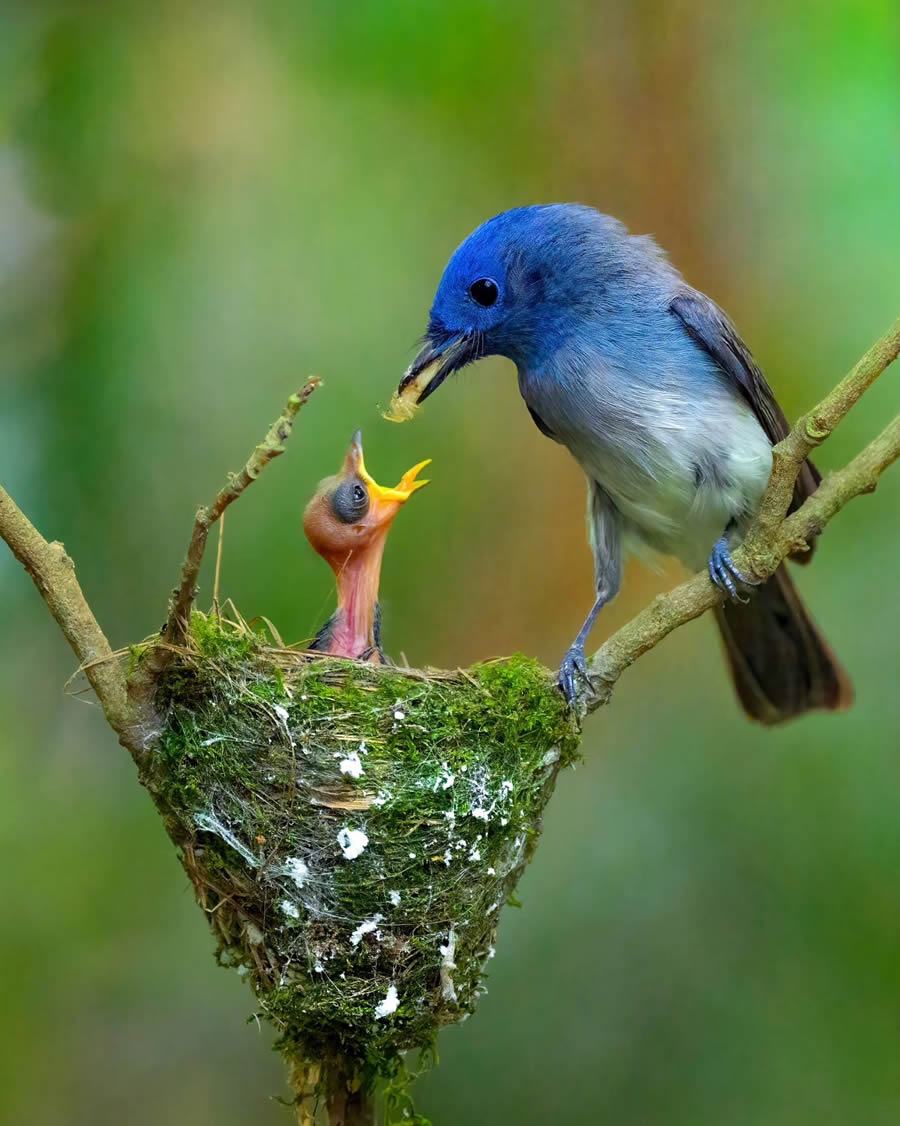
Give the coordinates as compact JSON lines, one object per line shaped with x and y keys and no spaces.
{"x":200,"y":204}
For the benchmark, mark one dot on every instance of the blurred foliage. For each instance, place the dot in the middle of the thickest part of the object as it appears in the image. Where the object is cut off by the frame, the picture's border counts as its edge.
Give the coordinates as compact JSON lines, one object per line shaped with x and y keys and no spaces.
{"x":202,"y":203}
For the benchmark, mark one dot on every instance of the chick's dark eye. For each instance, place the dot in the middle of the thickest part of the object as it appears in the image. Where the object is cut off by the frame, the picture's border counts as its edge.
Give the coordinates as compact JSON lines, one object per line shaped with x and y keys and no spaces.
{"x":350,"y":501}
{"x":485,"y":291}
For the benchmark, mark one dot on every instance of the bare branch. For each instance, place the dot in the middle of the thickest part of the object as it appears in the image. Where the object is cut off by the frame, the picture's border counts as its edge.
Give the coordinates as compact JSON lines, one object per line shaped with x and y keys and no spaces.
{"x":771,"y":537}
{"x":270,"y":447}
{"x":53,"y":573}
{"x":812,"y":429}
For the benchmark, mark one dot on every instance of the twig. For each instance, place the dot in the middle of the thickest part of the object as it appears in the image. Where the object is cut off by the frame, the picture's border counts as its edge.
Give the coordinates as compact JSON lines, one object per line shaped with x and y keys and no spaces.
{"x":270,"y":447}
{"x":144,"y":678}
{"x":812,"y":429}
{"x":771,"y":537}
{"x":53,"y":573}
{"x":218,"y":565}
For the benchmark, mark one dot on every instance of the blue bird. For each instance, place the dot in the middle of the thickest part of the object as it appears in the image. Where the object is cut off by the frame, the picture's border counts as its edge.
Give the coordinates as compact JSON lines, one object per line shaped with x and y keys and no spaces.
{"x":647,"y":383}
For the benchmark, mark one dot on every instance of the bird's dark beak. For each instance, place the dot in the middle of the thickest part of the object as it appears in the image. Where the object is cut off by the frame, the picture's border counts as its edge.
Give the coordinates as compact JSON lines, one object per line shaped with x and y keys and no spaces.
{"x":428,"y":371}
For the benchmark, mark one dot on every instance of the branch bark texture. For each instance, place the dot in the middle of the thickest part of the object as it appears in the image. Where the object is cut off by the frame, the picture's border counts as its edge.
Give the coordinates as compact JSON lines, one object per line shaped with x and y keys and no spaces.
{"x":53,"y":573}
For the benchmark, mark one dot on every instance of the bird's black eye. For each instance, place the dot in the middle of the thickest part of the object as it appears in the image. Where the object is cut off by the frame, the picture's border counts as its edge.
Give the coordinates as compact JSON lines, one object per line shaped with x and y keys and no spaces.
{"x":485,"y":291}
{"x":350,"y":501}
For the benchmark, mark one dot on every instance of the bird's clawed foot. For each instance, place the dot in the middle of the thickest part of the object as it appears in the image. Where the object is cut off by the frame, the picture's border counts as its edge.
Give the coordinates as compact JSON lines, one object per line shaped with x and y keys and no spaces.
{"x":574,"y":663}
{"x":725,"y":575}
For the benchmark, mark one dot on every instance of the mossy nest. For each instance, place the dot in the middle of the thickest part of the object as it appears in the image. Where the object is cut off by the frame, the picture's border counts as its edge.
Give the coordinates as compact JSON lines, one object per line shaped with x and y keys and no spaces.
{"x":354,"y":831}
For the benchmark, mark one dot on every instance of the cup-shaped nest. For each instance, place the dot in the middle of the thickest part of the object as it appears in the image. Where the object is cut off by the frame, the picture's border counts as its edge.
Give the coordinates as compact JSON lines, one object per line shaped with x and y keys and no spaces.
{"x":353,"y":831}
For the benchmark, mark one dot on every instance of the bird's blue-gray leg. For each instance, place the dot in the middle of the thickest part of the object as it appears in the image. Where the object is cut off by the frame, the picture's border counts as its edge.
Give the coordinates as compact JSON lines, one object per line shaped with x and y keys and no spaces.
{"x":605,"y":527}
{"x":724,"y":573}
{"x":575,"y":662}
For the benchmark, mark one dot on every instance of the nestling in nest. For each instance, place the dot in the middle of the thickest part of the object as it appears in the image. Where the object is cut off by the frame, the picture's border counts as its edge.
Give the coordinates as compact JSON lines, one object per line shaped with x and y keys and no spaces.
{"x":353,"y":830}
{"x":347,"y":522}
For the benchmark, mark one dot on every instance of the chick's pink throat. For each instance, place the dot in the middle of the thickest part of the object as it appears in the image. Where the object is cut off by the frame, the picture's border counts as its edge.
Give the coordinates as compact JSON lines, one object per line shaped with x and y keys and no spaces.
{"x":353,"y":633}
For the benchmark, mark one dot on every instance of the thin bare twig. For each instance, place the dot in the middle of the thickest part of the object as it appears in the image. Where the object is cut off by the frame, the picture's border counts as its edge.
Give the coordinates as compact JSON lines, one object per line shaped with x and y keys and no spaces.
{"x":218,"y":574}
{"x":270,"y":447}
{"x":771,"y":537}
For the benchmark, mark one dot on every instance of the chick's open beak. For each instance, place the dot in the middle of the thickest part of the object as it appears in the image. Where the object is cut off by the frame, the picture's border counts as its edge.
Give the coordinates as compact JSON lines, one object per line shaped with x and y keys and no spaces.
{"x":381,"y":496}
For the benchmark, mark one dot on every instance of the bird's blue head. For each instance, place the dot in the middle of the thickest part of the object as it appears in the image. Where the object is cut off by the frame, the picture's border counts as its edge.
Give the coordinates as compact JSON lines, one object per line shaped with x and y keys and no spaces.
{"x":518,"y":286}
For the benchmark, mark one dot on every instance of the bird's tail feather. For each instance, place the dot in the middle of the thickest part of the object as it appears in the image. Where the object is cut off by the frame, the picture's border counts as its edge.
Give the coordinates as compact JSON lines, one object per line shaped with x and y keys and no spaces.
{"x":781,"y":665}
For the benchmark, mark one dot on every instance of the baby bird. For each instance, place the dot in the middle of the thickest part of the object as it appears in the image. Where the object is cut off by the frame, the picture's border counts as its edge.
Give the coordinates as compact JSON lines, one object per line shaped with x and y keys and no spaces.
{"x":347,"y":522}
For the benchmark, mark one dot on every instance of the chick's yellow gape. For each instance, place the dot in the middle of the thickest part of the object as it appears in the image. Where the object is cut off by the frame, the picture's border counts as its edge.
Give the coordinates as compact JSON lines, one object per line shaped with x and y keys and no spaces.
{"x":347,"y":522}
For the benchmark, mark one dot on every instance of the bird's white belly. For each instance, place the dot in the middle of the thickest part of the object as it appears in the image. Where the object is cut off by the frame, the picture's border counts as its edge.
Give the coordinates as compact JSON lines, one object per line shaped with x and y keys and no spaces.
{"x":678,"y":486}
{"x":681,"y":456}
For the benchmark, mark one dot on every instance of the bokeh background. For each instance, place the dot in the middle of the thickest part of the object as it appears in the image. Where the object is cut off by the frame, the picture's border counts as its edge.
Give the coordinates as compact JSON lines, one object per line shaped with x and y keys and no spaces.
{"x":202,"y":203}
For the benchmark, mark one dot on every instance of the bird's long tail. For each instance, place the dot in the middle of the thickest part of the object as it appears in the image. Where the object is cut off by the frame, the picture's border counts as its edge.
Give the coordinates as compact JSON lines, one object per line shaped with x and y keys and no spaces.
{"x":780,"y":663}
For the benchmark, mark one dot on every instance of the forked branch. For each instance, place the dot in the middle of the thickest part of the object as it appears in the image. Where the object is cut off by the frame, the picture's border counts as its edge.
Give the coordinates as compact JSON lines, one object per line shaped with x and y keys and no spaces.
{"x":771,"y":537}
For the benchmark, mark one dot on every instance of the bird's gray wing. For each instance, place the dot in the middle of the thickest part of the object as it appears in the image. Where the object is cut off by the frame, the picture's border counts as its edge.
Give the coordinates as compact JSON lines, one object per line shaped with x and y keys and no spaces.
{"x":540,"y":424}
{"x":605,"y":534}
{"x":709,"y":326}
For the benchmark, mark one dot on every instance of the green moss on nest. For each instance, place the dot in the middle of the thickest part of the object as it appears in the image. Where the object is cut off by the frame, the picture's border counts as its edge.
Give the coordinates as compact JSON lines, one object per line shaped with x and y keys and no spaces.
{"x":354,"y":831}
